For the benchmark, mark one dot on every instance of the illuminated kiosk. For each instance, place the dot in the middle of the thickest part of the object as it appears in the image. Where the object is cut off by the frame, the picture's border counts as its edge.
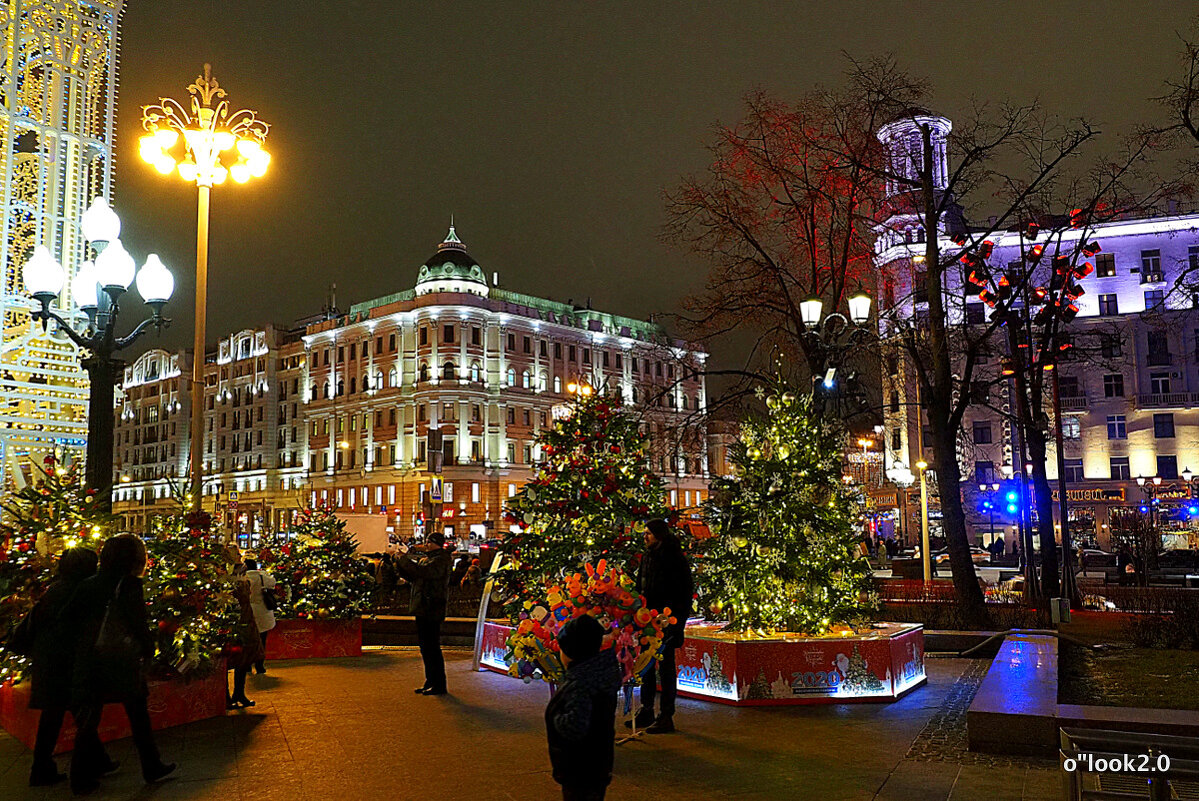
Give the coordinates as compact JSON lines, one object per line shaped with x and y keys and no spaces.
{"x":878,"y":664}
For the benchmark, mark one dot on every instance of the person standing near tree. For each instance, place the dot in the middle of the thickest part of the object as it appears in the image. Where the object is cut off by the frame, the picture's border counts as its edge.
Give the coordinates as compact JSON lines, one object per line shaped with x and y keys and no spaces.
{"x":427,"y":569}
{"x":262,"y":603}
{"x":106,"y":618}
{"x":664,"y":579}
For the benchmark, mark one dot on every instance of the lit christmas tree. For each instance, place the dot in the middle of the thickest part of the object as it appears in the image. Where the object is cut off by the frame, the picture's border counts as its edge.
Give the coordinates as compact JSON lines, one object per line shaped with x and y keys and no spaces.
{"x":785,"y":552}
{"x":52,"y":514}
{"x":590,"y":491}
{"x":320,"y":570}
{"x":188,"y":591}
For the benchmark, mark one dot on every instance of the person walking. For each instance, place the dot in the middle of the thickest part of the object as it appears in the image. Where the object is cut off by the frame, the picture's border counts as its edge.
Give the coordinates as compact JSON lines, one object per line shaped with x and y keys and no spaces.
{"x":580,"y":719}
{"x":664,"y":579}
{"x":427,"y":569}
{"x":262,"y":604}
{"x":42,"y":638}
{"x":106,"y":619}
{"x":245,"y":649}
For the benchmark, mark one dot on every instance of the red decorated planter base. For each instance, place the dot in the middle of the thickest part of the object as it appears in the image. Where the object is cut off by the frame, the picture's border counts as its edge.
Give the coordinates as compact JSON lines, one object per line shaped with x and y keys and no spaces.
{"x":314,"y":639}
{"x":878,"y":665}
{"x":172,"y":702}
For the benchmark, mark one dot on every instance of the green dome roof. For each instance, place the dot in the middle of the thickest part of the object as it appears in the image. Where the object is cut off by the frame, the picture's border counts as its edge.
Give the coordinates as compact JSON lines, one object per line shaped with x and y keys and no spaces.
{"x":451,"y":266}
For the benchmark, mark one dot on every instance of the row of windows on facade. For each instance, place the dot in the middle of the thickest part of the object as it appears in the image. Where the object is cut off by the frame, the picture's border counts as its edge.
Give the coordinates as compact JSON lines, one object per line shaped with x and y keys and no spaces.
{"x":1118,"y":470}
{"x":1117,"y":428}
{"x":353,"y":497}
{"x":449,"y":414}
{"x":449,"y":372}
{"x":570,"y":352}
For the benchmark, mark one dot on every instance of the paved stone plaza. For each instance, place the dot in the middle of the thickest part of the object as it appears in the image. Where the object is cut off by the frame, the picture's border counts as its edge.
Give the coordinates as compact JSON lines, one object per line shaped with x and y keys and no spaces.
{"x":351,"y":729}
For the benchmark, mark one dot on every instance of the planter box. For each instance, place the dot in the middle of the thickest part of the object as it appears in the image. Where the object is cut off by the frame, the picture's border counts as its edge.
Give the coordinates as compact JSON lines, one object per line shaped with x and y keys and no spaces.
{"x":172,"y":702}
{"x":314,"y":639}
{"x":879,"y":665}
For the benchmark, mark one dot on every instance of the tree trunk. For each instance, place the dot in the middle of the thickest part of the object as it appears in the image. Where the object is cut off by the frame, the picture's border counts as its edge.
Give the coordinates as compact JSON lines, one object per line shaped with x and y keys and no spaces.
{"x":1044,"y":496}
{"x":953,"y":523}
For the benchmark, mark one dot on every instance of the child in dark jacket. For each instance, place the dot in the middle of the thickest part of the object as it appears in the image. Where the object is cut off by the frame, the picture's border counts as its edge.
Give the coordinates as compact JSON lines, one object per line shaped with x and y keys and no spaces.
{"x":580,"y":720}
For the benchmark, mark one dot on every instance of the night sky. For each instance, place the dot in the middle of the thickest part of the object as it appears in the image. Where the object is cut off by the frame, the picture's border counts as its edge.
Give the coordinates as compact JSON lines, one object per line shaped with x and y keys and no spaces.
{"x":549,"y":130}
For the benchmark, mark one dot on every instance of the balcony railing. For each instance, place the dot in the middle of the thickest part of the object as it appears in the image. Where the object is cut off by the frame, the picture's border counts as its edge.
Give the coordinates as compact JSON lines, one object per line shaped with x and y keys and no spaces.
{"x":1168,"y":400}
{"x":1153,"y":277}
{"x":1076,"y":403}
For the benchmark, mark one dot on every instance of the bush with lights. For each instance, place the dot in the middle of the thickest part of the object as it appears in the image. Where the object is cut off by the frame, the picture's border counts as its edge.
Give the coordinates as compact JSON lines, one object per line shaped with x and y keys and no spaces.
{"x":319,"y":571}
{"x":785,"y":552}
{"x":189,"y":593}
{"x":591,"y":490}
{"x":55,"y":512}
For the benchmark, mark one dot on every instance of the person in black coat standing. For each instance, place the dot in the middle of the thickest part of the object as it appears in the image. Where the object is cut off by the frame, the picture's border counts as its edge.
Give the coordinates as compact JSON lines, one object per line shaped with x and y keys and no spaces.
{"x":107,"y":622}
{"x":427,"y":568}
{"x":580,"y":719}
{"x":664,"y":579}
{"x":52,"y":655}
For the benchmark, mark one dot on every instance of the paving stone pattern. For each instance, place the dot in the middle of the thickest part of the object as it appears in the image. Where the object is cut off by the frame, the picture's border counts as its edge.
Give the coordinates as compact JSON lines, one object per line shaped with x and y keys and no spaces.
{"x":351,"y":729}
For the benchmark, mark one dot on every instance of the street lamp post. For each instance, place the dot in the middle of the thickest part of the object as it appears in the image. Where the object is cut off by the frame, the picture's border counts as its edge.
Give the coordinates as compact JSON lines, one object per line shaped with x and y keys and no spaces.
{"x":97,"y":289}
{"x":212,"y":144}
{"x":925,"y":548}
{"x":832,"y":335}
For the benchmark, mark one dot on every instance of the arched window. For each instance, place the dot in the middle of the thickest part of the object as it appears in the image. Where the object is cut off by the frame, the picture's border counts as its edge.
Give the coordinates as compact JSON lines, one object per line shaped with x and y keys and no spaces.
{"x":634,"y":394}
{"x":511,"y":376}
{"x":353,"y":384}
{"x":526,"y":380}
{"x":391,"y":377}
{"x":557,"y":383}
{"x":448,"y":372}
{"x":366,"y":381}
{"x":543,"y":382}
{"x":341,"y":386}
{"x":474,"y":372}
{"x":684,"y":402}
{"x":315,"y":391}
{"x":378,"y":379}
{"x":424,"y":373}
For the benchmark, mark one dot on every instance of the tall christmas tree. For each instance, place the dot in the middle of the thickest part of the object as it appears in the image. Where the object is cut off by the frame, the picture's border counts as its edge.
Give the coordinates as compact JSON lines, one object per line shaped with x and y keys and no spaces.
{"x":53,"y":513}
{"x":189,"y":592}
{"x":785,"y":552}
{"x":592,"y":487}
{"x":320,"y":571}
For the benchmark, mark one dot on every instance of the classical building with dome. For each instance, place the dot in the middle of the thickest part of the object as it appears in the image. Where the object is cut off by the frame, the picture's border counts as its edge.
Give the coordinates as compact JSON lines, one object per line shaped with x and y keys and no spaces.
{"x":356,"y":409}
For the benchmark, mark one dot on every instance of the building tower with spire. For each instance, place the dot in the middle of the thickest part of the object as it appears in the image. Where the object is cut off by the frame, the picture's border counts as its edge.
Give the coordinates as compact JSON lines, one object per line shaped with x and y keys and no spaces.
{"x":58,"y":92}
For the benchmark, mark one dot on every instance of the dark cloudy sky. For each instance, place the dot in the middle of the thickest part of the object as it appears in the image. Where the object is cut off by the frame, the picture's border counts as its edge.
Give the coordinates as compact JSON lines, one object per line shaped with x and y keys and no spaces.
{"x":548,"y":129}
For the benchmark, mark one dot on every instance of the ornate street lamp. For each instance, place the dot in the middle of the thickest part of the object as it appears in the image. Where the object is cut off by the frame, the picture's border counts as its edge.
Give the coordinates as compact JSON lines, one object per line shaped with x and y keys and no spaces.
{"x":831,"y":336}
{"x":206,"y":145}
{"x":97,"y":290}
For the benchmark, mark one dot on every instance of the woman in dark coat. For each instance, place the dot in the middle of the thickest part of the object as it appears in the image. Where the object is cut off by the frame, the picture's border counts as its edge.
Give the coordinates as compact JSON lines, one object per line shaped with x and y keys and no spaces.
{"x":111,"y":669}
{"x":52,"y":655}
{"x":664,"y":579}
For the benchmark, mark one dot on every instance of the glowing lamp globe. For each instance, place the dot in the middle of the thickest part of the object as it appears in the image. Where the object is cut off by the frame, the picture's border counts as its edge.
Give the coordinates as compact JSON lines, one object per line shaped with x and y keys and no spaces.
{"x":115,"y":267}
{"x":100,"y":223}
{"x":84,"y":288}
{"x":859,"y":307}
{"x":43,"y":275}
{"x":154,"y":281}
{"x":810,"y":309}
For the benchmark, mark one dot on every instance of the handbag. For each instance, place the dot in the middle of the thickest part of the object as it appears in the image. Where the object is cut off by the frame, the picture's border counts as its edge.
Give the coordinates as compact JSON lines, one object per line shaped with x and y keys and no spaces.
{"x":269,"y":599}
{"x":20,"y":642}
{"x":115,"y":641}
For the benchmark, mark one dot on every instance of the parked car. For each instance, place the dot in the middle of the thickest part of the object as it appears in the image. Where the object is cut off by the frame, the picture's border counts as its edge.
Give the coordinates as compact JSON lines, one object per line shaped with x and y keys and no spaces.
{"x":1095,"y":559}
{"x":977,"y":555}
{"x":1178,"y":559}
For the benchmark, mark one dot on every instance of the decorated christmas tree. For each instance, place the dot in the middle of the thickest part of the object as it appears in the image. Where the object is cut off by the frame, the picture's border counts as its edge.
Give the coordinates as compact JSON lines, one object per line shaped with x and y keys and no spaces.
{"x":859,"y":679}
{"x":319,"y":570}
{"x":785,"y":552}
{"x":592,"y":488}
{"x":189,"y":591}
{"x":55,"y":512}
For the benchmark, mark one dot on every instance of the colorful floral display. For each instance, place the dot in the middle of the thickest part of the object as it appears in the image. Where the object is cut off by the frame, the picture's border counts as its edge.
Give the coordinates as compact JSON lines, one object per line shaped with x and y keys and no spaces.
{"x":605,"y":593}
